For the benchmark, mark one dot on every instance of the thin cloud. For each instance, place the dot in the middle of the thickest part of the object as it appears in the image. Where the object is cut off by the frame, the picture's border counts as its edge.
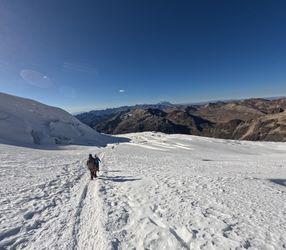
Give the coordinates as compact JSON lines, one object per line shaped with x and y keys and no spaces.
{"x":121,"y":91}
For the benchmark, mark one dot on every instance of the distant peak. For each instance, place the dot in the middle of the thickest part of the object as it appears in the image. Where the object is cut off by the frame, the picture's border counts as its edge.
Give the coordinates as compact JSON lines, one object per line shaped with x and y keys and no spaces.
{"x":165,"y":103}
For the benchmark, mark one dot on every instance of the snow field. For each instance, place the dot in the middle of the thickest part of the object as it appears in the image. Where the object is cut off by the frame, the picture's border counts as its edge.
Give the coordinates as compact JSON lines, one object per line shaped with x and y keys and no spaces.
{"x":156,"y":192}
{"x":213,"y":194}
{"x":42,"y":197}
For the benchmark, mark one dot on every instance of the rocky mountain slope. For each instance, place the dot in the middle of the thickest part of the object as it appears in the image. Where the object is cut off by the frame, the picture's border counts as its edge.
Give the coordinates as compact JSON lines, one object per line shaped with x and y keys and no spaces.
{"x":251,"y":119}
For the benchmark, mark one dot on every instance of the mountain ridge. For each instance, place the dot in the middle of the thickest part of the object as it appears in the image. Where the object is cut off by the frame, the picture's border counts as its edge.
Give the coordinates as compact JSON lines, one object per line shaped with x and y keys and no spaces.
{"x":227,"y":120}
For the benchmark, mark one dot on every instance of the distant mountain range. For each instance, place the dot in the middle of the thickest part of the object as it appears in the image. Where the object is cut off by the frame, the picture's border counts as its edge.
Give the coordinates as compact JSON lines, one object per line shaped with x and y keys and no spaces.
{"x":251,"y":119}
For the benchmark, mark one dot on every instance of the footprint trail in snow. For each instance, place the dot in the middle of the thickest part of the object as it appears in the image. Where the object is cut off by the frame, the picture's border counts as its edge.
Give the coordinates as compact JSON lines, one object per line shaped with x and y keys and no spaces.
{"x":156,"y":192}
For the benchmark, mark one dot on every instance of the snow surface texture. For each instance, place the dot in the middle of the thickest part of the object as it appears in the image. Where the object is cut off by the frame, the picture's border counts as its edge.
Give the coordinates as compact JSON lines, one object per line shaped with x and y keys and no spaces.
{"x":156,"y":192}
{"x":30,"y":123}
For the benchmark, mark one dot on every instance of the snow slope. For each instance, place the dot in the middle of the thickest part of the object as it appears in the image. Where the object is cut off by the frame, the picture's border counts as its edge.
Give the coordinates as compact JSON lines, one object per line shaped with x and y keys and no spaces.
{"x":156,"y":192}
{"x":27,"y":122}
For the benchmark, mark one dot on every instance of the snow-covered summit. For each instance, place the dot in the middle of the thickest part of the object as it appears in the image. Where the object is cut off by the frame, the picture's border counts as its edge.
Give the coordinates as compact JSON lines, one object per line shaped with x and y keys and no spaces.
{"x":27,"y":122}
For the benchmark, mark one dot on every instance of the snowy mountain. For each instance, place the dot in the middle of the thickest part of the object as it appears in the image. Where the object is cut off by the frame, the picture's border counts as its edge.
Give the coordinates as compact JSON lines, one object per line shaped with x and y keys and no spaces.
{"x":158,"y":191}
{"x":27,"y":122}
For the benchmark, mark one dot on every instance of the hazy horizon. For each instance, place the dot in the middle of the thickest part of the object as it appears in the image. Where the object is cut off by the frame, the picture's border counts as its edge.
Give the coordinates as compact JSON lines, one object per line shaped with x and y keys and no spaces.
{"x":161,"y":101}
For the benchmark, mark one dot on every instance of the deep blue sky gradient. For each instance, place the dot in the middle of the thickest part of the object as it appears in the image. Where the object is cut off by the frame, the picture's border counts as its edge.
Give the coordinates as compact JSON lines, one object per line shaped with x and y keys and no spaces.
{"x":178,"y":51}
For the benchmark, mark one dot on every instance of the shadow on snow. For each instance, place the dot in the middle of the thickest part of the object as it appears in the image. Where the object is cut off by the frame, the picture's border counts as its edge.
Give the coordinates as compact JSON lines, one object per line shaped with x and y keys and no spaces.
{"x":119,"y":178}
{"x":111,"y":171}
{"x":281,"y":182}
{"x":101,"y":141}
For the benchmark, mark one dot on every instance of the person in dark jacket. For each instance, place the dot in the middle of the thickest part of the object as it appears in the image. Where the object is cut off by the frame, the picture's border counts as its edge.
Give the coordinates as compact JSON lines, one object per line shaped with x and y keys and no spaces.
{"x":97,"y":161}
{"x":92,"y":166}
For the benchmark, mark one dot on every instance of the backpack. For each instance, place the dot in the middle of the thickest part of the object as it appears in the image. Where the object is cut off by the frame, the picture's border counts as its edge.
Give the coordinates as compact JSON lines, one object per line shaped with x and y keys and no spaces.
{"x":96,"y":162}
{"x":91,"y":164}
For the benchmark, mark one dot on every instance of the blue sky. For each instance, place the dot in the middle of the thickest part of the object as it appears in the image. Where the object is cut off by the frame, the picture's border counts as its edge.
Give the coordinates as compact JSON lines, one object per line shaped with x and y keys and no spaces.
{"x":83,"y":55}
